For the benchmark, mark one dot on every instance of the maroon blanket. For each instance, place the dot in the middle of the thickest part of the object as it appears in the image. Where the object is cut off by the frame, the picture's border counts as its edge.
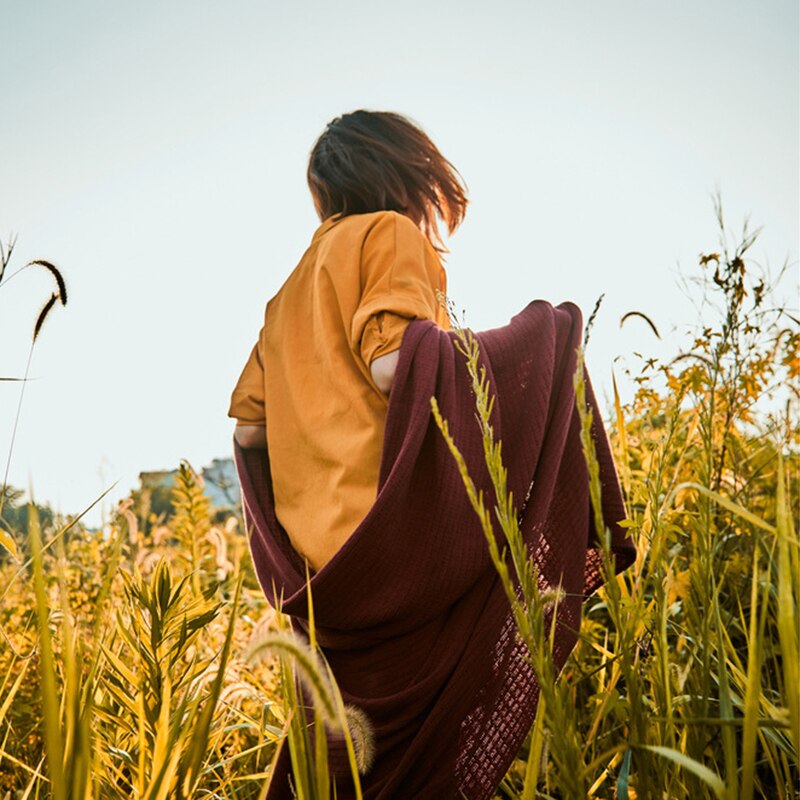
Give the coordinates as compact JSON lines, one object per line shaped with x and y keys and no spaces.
{"x":410,"y":612}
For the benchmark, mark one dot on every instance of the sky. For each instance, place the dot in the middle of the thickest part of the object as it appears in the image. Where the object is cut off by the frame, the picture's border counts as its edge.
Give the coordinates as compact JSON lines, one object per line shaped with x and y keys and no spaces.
{"x":156,"y":153}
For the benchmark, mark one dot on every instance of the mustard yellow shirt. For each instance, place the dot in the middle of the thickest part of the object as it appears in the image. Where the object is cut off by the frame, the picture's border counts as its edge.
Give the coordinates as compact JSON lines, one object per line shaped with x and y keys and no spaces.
{"x":348,"y":301}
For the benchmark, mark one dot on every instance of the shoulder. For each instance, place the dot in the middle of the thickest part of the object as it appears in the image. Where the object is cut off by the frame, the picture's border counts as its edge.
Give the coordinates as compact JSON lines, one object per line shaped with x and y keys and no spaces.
{"x":382,"y":237}
{"x":378,"y":224}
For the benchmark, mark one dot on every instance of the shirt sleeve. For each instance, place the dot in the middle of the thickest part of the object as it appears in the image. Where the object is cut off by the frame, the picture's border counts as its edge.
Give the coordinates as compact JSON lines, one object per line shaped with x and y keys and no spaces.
{"x":400,"y":276}
{"x":247,"y":400}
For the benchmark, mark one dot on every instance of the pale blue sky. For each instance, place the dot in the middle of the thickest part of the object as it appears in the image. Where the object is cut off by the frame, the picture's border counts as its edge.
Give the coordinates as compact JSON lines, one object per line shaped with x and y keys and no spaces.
{"x":156,"y":152}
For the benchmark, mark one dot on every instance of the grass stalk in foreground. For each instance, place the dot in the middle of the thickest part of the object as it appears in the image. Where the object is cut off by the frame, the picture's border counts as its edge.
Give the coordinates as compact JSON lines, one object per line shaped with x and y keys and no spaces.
{"x":684,"y":682}
{"x":128,"y":706}
{"x":534,"y":610}
{"x":306,"y":674}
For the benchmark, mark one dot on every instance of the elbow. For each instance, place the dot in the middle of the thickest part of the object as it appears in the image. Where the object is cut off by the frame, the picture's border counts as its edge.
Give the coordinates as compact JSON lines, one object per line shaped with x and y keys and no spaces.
{"x":382,"y":370}
{"x":250,"y":436}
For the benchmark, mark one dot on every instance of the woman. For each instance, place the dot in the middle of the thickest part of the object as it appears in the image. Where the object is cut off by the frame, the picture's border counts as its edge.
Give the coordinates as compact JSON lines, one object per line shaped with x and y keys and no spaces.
{"x":344,"y":469}
{"x":325,"y":359}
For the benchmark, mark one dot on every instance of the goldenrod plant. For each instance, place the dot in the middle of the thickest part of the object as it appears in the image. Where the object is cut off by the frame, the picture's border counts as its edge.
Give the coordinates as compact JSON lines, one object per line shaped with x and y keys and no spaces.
{"x":684,"y":682}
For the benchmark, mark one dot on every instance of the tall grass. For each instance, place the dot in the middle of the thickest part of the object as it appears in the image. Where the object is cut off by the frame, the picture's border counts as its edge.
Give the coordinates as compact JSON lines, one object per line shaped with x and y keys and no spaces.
{"x":684,"y":682}
{"x":307,"y":680}
{"x":133,"y":682}
{"x":128,"y":660}
{"x":59,"y":295}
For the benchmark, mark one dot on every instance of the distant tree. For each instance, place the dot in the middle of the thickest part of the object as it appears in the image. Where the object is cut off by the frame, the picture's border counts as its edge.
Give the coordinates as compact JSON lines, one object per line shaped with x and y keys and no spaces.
{"x":153,"y":500}
{"x":14,"y":517}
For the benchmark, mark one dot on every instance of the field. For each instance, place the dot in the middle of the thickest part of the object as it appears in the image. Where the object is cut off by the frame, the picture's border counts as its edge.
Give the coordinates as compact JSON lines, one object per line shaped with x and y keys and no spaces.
{"x":135,"y":661}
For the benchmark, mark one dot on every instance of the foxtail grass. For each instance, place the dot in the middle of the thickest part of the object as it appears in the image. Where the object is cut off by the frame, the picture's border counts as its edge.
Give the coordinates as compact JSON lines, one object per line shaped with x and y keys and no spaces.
{"x":303,"y":666}
{"x":684,"y":681}
{"x":123,"y":670}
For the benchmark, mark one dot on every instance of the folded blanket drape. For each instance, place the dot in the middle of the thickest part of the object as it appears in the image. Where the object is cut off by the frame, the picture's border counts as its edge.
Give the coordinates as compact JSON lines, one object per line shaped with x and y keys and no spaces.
{"x":410,"y":612}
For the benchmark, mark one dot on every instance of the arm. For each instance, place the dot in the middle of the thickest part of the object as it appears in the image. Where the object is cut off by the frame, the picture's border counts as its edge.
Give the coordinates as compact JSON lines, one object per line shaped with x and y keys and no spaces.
{"x":247,"y":403}
{"x":382,"y":370}
{"x":399,"y":276}
{"x":251,"y":436}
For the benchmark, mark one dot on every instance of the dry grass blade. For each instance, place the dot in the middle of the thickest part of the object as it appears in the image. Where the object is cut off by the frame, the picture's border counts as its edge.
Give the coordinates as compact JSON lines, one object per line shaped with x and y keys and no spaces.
{"x":7,"y":541}
{"x":640,"y":315}
{"x":720,"y":499}
{"x":47,"y":665}
{"x":709,"y":777}
{"x":9,"y":697}
{"x":752,"y":696}
{"x":5,"y":255}
{"x":623,"y":460}
{"x":726,"y":708}
{"x":699,"y":357}
{"x":788,"y":583}
{"x":311,"y":670}
{"x":590,"y":322}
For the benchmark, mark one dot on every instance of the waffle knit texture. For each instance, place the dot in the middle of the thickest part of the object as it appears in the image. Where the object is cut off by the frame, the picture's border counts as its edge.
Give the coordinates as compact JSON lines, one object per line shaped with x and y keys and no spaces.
{"x":410,"y":612}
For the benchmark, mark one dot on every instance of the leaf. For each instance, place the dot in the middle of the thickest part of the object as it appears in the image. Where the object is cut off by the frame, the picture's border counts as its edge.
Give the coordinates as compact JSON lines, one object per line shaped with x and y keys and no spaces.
{"x":787,"y":583}
{"x":725,"y":706}
{"x":677,"y":584}
{"x":7,"y":541}
{"x":14,"y":689}
{"x":740,"y":511}
{"x":622,"y":434}
{"x":54,"y":743}
{"x":198,"y":743}
{"x":695,"y":767}
{"x":752,"y":695}
{"x":624,"y":775}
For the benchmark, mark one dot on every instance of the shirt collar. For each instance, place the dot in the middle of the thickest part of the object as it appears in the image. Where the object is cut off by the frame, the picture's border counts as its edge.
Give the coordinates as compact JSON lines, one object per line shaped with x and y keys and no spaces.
{"x":327,"y":225}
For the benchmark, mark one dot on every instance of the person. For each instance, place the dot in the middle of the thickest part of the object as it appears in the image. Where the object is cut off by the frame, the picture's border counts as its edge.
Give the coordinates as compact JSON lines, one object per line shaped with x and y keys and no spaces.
{"x":315,"y":387}
{"x":354,"y":504}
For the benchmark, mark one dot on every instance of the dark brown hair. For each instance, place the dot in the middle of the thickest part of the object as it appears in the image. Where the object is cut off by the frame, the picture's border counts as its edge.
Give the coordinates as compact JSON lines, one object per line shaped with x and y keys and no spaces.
{"x":378,"y":160}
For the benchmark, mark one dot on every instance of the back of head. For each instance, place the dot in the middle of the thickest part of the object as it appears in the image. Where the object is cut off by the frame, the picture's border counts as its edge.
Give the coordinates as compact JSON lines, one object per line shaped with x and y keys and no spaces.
{"x":377,"y":160}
